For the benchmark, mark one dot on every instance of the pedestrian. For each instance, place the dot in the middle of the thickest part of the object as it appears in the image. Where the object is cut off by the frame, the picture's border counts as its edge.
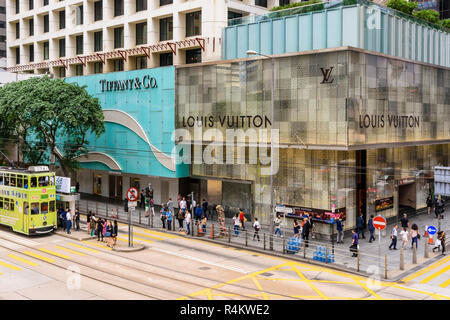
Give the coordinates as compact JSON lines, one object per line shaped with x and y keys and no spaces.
{"x":393,"y":238}
{"x":142,"y":199}
{"x":77,"y":187}
{"x":77,"y":219}
{"x":180,"y":218}
{"x":440,"y":242}
{"x":88,"y":222}
{"x":440,"y":207}
{"x":296,"y":228}
{"x":100,"y":229}
{"x":415,"y":236}
{"x":276,"y":224}
{"x":355,"y":243}
{"x":115,"y":233}
{"x":198,"y":214}
{"x":205,"y":208}
{"x":152,"y":207}
{"x":163,"y":217}
{"x":63,"y":219}
{"x":183,"y":205}
{"x":242,"y":218}
{"x":105,"y":226}
{"x":188,"y":222}
{"x":257,"y":227}
{"x":236,"y":224}
{"x":405,"y":222}
{"x":429,"y":203}
{"x":371,"y":228}
{"x":93,"y":224}
{"x":404,"y":235}
{"x":108,"y":233}
{"x":170,"y":207}
{"x":169,"y":219}
{"x":340,"y":232}
{"x":305,"y":231}
{"x":68,"y":220}
{"x":360,"y":225}
{"x":204,"y":220}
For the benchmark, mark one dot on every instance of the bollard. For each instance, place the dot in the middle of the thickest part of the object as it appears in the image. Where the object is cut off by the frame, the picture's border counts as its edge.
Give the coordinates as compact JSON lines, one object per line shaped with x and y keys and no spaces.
{"x":385,"y":266}
{"x":229,"y":235}
{"x":271,"y":242}
{"x":326,"y":254}
{"x":427,"y":253}
{"x":246,"y":238}
{"x":139,"y":216}
{"x":414,"y":257}
{"x":402,"y":259}
{"x":107,"y":209}
{"x":212,"y":231}
{"x":304,"y":249}
{"x":284,"y":247}
{"x":192,"y":229}
{"x":264,"y":241}
{"x":357,"y":260}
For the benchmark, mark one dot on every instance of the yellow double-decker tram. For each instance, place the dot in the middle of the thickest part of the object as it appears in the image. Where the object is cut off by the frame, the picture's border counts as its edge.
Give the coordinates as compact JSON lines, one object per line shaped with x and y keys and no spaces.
{"x":28,"y":199}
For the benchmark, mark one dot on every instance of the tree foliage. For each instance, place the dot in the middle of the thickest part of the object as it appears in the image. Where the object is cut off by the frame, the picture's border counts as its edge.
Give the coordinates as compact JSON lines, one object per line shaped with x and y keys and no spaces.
{"x":51,"y":115}
{"x":297,"y":4}
{"x":428,"y":15}
{"x":402,"y":5}
{"x":445,"y":23}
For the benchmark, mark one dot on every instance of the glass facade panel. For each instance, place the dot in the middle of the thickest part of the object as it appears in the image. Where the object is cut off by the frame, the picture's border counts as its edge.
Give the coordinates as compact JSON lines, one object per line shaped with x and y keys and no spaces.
{"x":98,"y":10}
{"x":166,"y":59}
{"x":79,"y":44}
{"x":98,"y":41}
{"x":46,"y":50}
{"x":62,"y":47}
{"x":141,"y":33}
{"x":193,"y":24}
{"x":118,"y":37}
{"x":166,"y":29}
{"x":141,"y":5}
{"x":62,"y":19}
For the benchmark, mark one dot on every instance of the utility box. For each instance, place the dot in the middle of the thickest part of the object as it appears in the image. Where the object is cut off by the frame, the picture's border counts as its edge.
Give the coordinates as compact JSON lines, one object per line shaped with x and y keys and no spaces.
{"x":442,"y":181}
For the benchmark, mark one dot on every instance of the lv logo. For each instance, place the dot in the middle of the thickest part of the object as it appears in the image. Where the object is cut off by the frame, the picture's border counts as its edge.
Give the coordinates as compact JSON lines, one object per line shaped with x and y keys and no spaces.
{"x":326,"y":75}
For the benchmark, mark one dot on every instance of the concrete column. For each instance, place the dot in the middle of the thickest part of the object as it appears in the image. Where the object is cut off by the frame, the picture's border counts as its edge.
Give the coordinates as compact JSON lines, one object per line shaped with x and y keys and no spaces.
{"x":108,"y":39}
{"x":108,"y":10}
{"x":179,"y":33}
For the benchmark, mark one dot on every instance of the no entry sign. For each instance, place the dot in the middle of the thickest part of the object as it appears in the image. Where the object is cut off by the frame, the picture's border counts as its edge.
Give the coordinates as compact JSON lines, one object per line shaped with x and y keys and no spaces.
{"x":379,"y":222}
{"x":132,"y":194}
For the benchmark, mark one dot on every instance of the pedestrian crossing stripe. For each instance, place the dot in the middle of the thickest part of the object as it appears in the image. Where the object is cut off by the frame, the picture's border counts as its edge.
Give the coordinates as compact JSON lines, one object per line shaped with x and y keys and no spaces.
{"x":37,"y":256}
{"x":445,"y":284}
{"x":54,"y":253}
{"x":10,"y":266}
{"x":71,"y":251}
{"x":97,"y":245}
{"x":426,"y":270}
{"x":436,"y":274}
{"x":140,"y":239}
{"x":146,"y":235}
{"x":33,"y":264}
{"x":161,"y":234}
{"x":82,"y":247}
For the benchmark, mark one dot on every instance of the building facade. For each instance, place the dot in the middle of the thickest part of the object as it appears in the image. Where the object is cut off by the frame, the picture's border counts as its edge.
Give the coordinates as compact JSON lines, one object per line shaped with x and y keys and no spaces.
{"x":2,"y":35}
{"x":79,"y":37}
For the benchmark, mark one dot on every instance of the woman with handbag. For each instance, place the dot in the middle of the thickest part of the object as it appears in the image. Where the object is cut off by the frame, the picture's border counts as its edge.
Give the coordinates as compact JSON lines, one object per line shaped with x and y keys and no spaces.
{"x":414,"y":235}
{"x":108,"y":233}
{"x":180,"y":218}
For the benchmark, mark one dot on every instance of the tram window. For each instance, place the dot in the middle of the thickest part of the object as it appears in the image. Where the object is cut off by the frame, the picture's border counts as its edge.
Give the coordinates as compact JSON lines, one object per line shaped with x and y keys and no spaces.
{"x":35,"y":208}
{"x":25,"y":182}
{"x":1,"y":203}
{"x":26,"y":207}
{"x":43,"y":181}
{"x":1,"y":179}
{"x":19,"y":181}
{"x":6,"y":205}
{"x":33,"y":182}
{"x":44,"y":207}
{"x":11,"y":206}
{"x":52,"y":206}
{"x":6,"y":179}
{"x":12,"y":181}
{"x":52,"y":180}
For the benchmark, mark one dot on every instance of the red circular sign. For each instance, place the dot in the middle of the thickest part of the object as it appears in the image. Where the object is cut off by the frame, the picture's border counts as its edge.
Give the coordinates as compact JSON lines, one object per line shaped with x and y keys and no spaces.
{"x":132,"y":194}
{"x":379,"y":222}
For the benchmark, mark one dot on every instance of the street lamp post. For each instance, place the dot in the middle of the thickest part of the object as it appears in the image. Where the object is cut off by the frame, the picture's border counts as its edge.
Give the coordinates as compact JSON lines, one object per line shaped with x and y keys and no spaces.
{"x":272,"y":90}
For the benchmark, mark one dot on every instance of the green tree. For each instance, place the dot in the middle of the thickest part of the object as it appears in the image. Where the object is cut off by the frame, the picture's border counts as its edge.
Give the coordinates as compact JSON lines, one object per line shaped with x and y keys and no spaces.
{"x":428,"y":15}
{"x":51,"y":115}
{"x":445,"y":23}
{"x":402,"y":5}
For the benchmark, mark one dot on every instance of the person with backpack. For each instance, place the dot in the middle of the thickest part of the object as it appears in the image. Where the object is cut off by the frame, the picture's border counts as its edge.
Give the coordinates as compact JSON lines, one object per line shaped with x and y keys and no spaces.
{"x":180,"y":218}
{"x":236,"y":224}
{"x":415,"y":236}
{"x":371,"y":229}
{"x":100,"y":229}
{"x":256,"y":227}
{"x":355,"y":243}
{"x":205,"y":208}
{"x":198,"y":214}
{"x":169,"y":219}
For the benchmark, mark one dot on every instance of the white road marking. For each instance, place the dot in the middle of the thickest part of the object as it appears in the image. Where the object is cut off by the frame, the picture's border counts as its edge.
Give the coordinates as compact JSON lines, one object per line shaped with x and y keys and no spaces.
{"x":200,"y":260}
{"x":11,"y":237}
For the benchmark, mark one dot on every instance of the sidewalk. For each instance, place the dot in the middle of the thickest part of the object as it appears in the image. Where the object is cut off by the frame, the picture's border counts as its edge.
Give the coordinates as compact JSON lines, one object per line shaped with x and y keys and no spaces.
{"x":369,"y":252}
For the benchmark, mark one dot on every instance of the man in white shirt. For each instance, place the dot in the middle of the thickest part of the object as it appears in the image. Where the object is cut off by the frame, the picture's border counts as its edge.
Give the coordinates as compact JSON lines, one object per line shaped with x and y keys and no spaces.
{"x":394,"y":238}
{"x":183,"y":205}
{"x":188,"y":221}
{"x":256,"y":226}
{"x":69,"y":220}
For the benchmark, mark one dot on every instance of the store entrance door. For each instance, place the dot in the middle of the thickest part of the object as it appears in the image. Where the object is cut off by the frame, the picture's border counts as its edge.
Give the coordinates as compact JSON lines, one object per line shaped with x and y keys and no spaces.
{"x":115,"y":187}
{"x":407,"y":198}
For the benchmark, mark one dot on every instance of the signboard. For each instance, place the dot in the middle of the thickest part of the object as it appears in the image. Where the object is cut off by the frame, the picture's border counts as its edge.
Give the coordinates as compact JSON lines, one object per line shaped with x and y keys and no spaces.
{"x":442,"y":181}
{"x":319,"y":215}
{"x":384,"y":204}
{"x":132,"y":204}
{"x":379,"y":222}
{"x":38,"y":168}
{"x":132,"y":194}
{"x":431,"y":230}
{"x":283,"y":209}
{"x":62,"y":184}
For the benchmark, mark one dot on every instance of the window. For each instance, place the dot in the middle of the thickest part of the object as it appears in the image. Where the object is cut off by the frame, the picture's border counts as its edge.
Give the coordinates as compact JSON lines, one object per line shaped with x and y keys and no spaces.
{"x":19,"y":181}
{"x":79,"y":15}
{"x":193,"y":56}
{"x":45,"y":2}
{"x":118,"y":37}
{"x":1,"y":179}
{"x":2,"y":38}
{"x":164,"y":2}
{"x":98,"y":41}
{"x":33,"y":183}
{"x":6,"y":204}
{"x":284,"y":2}
{"x":44,"y":207}
{"x":79,"y":69}
{"x":98,"y":67}
{"x":26,"y":208}
{"x":2,"y":53}
{"x":118,"y":65}
{"x":261,"y":3}
{"x":193,"y":24}
{"x":2,"y":24}
{"x":30,"y":4}
{"x":118,"y":8}
{"x":62,"y":19}
{"x":141,"y":62}
{"x":234,"y":15}
{"x":79,"y":44}
{"x":43,"y":181}
{"x":166,"y":29}
{"x":13,"y":180}
{"x":2,"y":9}
{"x":46,"y":50}
{"x":31,"y":26}
{"x":6,"y":179}
{"x":34,"y":208}
{"x":31,"y":53}
{"x":62,"y":47}
{"x":17,"y":55}
{"x":62,"y":72}
{"x":46,"y":23}
{"x":141,"y":33}
{"x":17,"y":6}
{"x":1,"y":203}
{"x":141,"y":5}
{"x":52,"y":206}
{"x":98,"y":10}
{"x":166,"y":59}
{"x":17,"y":30}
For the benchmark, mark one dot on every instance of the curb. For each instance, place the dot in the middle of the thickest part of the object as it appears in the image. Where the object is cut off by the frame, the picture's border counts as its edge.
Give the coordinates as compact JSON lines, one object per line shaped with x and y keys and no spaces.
{"x":136,"y":247}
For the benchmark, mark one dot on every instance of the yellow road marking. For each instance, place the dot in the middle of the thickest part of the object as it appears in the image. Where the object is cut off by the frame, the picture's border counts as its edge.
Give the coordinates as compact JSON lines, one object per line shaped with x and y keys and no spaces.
{"x":258,"y":285}
{"x":161,"y":234}
{"x":423,"y":271}
{"x":301,"y":275}
{"x":37,"y":256}
{"x":445,"y":284}
{"x":55,"y":253}
{"x":145,"y":235}
{"x":82,"y":247}
{"x":136,"y":238}
{"x":7,"y":265}
{"x":71,"y":251}
{"x":434,"y":295}
{"x":434,"y":275}
{"x":22,"y":260}
{"x":97,"y":245}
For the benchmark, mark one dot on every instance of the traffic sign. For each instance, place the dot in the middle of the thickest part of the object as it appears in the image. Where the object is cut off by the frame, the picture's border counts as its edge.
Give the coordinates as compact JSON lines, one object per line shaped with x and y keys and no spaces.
{"x":379,"y":222}
{"x":431,"y":230}
{"x":132,"y":204}
{"x":132,"y":194}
